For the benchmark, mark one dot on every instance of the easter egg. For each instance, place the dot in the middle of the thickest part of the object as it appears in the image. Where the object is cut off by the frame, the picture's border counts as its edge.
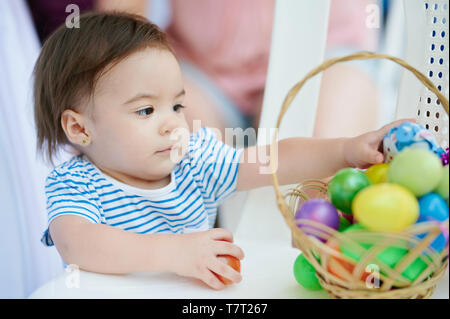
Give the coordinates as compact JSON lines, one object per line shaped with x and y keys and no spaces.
{"x":409,"y":135}
{"x":344,"y":223}
{"x":416,"y":169}
{"x":445,"y":157}
{"x":233,"y":262}
{"x":347,"y":249}
{"x":305,"y":274}
{"x":433,"y":208}
{"x":442,"y":188}
{"x":390,"y":256}
{"x":386,"y":207}
{"x":377,"y":173}
{"x":319,"y":210}
{"x":340,"y":267}
{"x":344,"y":186}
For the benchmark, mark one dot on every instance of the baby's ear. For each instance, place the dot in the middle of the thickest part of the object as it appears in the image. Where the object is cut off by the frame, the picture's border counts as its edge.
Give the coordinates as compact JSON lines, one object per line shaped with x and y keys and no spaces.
{"x":74,"y":125}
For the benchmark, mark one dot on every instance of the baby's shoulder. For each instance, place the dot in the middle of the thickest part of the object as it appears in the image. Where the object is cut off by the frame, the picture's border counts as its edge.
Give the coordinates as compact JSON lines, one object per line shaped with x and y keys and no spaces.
{"x":203,"y":134}
{"x":76,"y":170}
{"x":202,"y":139}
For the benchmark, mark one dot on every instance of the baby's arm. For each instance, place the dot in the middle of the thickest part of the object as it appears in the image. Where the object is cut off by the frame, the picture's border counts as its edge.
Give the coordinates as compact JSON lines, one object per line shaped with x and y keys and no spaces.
{"x":305,"y":158}
{"x":298,"y":159}
{"x":105,"y":249}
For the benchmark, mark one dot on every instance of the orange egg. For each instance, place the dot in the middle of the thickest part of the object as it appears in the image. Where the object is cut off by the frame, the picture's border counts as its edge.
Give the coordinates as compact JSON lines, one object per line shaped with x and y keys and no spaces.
{"x":231,"y":261}
{"x":338,"y":266}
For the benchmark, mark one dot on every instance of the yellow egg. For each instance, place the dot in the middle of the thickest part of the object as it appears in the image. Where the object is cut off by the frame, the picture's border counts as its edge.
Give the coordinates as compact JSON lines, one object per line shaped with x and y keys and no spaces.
{"x":378,"y":173}
{"x":385,"y":207}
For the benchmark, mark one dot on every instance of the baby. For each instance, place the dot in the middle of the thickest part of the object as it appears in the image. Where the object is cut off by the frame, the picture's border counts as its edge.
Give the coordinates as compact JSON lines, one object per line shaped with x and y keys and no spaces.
{"x":142,"y":195}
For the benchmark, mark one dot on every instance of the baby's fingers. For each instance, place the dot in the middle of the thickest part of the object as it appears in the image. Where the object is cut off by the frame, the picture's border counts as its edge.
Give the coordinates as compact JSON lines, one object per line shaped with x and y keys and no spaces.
{"x":375,"y":157}
{"x":211,"y":280}
{"x":226,"y":248}
{"x":221,"y":234}
{"x":224,"y":270}
{"x":382,"y":132}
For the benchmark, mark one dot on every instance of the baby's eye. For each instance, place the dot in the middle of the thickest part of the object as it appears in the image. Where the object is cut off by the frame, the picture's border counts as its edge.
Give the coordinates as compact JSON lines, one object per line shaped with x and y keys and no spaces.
{"x":177,"y":107}
{"x":146,"y":111}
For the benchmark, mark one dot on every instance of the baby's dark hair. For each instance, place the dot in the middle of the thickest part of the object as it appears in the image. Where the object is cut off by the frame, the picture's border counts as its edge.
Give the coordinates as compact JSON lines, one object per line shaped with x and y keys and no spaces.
{"x":73,"y":59}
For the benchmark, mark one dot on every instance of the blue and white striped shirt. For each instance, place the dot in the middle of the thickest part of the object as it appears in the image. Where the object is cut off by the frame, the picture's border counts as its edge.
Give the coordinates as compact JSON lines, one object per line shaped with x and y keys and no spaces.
{"x":203,"y":178}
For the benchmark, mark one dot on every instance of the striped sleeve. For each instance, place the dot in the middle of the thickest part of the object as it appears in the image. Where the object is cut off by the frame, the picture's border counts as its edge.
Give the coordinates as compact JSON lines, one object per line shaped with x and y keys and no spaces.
{"x":69,"y":193}
{"x":214,"y":165}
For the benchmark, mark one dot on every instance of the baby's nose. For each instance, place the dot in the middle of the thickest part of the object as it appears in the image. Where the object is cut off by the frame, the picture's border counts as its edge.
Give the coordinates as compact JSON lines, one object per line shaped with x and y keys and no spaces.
{"x":168,"y":125}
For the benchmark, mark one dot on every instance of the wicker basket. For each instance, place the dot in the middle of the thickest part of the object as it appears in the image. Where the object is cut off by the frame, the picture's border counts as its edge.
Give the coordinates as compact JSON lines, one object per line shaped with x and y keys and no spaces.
{"x":344,"y":282}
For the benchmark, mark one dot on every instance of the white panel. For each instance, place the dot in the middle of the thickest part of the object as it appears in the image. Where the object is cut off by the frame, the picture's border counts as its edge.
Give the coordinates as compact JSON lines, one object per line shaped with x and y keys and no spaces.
{"x":298,"y":45}
{"x":392,"y":43}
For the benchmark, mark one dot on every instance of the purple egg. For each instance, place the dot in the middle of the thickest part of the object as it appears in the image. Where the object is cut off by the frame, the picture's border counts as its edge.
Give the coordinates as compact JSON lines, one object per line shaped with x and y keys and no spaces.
{"x":318,"y":210}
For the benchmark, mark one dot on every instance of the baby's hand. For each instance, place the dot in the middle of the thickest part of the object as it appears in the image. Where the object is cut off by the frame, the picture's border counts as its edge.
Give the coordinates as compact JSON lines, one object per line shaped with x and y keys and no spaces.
{"x":365,"y":150}
{"x":196,"y":256}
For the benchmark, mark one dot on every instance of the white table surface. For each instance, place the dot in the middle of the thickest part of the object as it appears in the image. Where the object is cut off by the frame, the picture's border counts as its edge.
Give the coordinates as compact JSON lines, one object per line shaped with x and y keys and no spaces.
{"x":267,"y":273}
{"x":267,"y":268}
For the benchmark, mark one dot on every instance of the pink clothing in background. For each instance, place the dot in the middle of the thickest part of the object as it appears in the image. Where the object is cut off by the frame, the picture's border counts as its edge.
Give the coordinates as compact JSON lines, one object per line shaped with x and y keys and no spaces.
{"x":347,"y":25}
{"x":230,"y":40}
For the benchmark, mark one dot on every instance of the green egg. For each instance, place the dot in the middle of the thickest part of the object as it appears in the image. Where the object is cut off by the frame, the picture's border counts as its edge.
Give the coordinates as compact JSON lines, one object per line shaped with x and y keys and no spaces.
{"x":418,"y":170}
{"x":343,"y":224}
{"x":442,"y":188}
{"x":348,"y":249}
{"x":390,"y":256}
{"x":305,"y":274}
{"x":344,"y":186}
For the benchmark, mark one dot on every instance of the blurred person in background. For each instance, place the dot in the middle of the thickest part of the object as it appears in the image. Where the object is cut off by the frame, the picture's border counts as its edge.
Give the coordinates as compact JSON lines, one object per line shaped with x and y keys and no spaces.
{"x":224,"y":47}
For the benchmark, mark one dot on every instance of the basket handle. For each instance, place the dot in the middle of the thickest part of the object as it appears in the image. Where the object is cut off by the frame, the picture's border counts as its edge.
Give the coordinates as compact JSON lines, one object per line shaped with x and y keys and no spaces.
{"x":325,"y":65}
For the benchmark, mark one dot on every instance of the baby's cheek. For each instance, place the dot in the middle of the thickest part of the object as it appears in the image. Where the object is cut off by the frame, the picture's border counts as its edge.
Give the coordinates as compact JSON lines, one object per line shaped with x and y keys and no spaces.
{"x":126,"y":151}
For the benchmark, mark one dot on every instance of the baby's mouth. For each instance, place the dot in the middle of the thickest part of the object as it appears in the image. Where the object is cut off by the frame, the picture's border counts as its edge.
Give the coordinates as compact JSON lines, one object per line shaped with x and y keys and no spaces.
{"x":167,"y":150}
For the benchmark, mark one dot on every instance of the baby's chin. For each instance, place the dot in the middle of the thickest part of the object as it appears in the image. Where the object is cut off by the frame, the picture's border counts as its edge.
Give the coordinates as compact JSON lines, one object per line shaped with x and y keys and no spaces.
{"x":150,"y":175}
{"x":161,"y":168}
{"x":173,"y":156}
{"x":156,"y":167}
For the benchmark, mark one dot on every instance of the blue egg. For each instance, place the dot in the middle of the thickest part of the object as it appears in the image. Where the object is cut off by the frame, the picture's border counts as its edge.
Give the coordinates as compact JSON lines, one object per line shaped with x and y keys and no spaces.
{"x":433,"y":208}
{"x":409,"y":135}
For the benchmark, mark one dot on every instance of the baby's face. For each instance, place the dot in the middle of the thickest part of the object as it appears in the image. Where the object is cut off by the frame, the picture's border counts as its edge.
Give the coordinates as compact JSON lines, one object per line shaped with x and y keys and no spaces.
{"x":137,"y":113}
